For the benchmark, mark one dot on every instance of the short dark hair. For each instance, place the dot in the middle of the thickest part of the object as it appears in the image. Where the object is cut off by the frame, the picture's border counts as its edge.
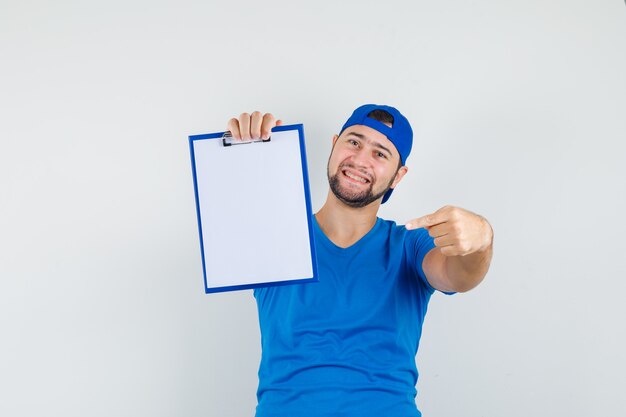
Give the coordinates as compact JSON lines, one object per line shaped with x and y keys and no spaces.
{"x":381,"y":115}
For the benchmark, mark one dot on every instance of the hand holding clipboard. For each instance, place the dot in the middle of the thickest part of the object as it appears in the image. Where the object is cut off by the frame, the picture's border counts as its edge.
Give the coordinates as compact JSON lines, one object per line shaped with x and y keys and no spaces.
{"x":252,"y":126}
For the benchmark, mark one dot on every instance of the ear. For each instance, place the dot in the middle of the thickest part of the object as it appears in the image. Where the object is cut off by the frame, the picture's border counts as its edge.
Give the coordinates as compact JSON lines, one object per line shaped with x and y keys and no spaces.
{"x":401,"y":173}
{"x":335,"y":137}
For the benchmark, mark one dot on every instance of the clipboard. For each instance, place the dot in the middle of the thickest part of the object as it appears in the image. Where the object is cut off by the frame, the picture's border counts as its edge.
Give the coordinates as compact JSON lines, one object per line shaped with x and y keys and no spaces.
{"x":254,"y":210}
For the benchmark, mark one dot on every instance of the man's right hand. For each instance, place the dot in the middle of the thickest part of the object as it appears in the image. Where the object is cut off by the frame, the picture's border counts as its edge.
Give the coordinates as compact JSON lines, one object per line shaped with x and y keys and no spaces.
{"x":252,"y":126}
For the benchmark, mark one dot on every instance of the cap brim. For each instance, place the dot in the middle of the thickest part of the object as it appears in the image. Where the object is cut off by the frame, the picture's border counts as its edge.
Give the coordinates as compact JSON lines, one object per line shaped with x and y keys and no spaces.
{"x":387,"y":195}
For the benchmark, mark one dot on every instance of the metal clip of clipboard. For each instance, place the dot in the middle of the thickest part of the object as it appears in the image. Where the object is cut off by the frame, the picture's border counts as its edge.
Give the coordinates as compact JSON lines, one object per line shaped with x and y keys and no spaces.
{"x":227,"y":140}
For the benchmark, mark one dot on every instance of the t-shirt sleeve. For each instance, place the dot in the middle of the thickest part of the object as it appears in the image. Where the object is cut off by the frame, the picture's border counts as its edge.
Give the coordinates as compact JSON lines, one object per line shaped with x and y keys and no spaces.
{"x":418,"y":244}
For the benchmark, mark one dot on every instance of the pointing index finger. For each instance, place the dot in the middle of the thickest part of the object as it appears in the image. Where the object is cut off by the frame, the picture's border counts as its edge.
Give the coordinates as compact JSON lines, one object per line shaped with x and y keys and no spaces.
{"x":426,"y":221}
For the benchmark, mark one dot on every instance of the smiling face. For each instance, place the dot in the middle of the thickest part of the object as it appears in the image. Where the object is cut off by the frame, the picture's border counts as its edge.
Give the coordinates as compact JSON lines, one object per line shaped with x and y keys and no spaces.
{"x":363,"y":165}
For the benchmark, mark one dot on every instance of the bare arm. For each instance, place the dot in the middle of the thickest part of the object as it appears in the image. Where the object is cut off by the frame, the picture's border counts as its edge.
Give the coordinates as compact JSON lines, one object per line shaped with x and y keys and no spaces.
{"x":463,"y":252}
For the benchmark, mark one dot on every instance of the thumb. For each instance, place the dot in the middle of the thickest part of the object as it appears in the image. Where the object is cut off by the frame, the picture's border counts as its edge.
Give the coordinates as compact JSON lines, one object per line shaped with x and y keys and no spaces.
{"x":279,"y":122}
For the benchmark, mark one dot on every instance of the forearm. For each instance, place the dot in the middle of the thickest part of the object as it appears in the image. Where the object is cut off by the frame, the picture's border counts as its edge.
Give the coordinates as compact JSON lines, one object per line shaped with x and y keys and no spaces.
{"x":465,"y":272}
{"x":464,"y":245}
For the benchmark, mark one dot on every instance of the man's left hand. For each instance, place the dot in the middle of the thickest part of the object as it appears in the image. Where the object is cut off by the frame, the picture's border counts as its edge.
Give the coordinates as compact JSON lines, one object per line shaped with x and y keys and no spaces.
{"x":456,"y":231}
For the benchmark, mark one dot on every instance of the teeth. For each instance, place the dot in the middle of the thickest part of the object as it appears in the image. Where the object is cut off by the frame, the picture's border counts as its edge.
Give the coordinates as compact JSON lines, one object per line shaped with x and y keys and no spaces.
{"x":354,"y":177}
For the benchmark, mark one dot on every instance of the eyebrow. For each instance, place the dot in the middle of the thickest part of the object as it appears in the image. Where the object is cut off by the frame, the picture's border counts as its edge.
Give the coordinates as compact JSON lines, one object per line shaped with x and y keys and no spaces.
{"x":376,"y":144}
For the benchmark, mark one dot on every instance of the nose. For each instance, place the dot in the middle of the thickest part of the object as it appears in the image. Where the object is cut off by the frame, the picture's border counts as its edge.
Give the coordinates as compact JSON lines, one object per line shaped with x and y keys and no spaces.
{"x":361,"y":158}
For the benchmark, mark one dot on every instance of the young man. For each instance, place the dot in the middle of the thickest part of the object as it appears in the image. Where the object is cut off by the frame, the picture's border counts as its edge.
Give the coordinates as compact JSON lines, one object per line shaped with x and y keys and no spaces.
{"x":346,"y":346}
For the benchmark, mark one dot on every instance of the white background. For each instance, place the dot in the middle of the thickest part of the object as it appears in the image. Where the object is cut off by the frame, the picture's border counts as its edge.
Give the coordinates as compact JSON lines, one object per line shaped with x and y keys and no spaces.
{"x":519,"y":114}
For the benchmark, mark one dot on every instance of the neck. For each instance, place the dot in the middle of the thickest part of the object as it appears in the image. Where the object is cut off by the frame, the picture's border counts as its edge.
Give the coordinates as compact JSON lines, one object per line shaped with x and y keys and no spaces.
{"x":345,"y":225}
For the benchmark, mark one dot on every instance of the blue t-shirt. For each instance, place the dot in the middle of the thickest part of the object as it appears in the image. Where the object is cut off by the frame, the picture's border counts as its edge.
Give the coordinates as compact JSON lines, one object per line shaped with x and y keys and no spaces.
{"x":345,"y":346}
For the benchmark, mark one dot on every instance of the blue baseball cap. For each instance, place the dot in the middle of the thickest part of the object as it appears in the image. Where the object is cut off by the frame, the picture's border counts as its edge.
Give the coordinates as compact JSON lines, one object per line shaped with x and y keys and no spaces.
{"x":400,"y":133}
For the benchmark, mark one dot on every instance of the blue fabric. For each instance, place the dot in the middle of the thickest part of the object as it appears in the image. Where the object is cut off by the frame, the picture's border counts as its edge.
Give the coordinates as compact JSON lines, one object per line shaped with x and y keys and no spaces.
{"x":345,"y":346}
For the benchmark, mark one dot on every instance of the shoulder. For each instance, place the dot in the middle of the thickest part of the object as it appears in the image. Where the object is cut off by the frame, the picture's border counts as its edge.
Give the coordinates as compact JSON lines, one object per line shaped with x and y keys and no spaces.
{"x":414,"y":245}
{"x":390,"y":226}
{"x":393,"y":229}
{"x":415,"y":241}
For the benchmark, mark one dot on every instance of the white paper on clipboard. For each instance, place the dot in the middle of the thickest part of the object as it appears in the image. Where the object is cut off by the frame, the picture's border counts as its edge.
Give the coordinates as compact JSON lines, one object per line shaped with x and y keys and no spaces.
{"x":254,"y":211}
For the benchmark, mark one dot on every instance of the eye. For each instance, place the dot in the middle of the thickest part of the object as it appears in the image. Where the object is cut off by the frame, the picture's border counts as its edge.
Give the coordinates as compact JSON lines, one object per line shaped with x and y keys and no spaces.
{"x":382,"y":155}
{"x":353,"y":142}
